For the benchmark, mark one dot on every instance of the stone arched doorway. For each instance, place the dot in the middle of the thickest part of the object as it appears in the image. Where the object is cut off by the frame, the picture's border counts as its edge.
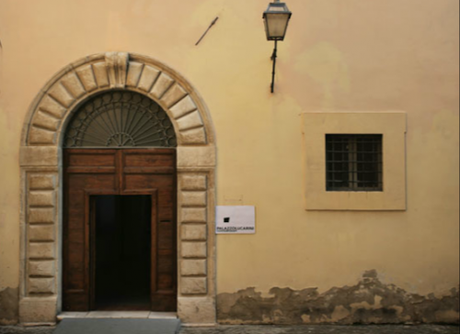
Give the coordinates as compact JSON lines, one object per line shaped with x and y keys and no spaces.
{"x":41,"y":174}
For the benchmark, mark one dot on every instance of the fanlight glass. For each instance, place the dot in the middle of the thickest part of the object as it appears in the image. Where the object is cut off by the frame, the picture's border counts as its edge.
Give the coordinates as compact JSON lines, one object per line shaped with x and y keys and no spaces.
{"x":276,"y":19}
{"x":120,"y":119}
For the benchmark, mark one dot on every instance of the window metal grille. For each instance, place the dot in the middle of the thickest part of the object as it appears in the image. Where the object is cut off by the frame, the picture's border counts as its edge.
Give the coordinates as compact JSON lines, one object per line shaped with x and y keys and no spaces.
{"x":354,"y":162}
{"x":120,"y":119}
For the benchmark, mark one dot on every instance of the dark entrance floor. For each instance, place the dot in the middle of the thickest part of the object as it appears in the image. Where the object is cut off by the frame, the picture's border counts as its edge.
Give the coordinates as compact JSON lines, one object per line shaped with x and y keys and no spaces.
{"x":429,"y":329}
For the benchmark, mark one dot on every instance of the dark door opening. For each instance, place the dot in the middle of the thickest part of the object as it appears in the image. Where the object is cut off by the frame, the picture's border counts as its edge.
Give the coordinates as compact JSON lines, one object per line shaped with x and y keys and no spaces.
{"x":122,"y":237}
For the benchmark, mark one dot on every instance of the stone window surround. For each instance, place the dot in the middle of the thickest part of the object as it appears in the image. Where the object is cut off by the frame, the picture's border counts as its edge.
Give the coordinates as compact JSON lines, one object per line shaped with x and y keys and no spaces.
{"x":41,"y":180}
{"x":391,"y":124}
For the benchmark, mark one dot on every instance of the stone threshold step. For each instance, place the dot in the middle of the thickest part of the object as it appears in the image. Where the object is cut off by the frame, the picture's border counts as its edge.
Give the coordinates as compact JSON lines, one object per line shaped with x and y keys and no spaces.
{"x":118,"y":326}
{"x":117,"y":315}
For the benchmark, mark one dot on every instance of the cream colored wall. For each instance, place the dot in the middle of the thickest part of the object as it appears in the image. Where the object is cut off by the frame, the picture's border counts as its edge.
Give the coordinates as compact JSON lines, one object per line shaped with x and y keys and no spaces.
{"x":338,"y":55}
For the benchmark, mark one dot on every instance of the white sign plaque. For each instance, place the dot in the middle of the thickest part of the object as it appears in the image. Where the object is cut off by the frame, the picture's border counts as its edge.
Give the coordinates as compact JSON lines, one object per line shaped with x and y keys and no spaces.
{"x":235,"y":220}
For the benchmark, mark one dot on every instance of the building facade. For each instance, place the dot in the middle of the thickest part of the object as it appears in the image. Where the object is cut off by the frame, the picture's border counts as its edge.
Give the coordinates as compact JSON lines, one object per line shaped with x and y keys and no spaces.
{"x":111,"y":113}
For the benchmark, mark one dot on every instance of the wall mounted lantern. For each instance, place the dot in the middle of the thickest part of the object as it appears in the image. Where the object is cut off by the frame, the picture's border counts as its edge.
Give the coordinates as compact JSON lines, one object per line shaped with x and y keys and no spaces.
{"x":276,"y":19}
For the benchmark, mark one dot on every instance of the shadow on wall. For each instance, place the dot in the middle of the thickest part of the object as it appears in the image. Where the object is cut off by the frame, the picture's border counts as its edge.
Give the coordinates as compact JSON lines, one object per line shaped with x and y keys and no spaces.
{"x":9,"y":306}
{"x":368,"y":302}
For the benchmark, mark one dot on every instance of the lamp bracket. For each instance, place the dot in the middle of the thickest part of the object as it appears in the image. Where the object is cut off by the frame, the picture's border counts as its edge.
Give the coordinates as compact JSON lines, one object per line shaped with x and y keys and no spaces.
{"x":274,"y":56}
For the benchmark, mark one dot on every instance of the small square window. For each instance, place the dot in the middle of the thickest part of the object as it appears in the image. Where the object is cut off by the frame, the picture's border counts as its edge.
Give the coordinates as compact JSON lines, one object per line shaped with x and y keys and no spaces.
{"x":354,"y":162}
{"x":373,"y":175}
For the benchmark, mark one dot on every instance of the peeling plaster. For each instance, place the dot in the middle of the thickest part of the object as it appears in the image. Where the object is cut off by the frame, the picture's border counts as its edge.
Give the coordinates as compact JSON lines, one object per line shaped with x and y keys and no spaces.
{"x":368,"y":302}
{"x":9,"y":306}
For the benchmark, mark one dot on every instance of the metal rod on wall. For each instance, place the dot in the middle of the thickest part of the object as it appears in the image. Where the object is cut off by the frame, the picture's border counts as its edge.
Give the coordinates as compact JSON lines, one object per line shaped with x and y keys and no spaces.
{"x":274,"y":56}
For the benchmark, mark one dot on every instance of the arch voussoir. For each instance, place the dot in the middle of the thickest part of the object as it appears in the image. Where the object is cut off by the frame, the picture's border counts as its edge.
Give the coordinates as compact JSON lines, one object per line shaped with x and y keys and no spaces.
{"x":115,"y":71}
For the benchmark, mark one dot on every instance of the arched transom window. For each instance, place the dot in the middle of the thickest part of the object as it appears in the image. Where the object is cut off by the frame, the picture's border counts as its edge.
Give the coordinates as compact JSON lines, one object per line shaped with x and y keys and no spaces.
{"x":120,"y":119}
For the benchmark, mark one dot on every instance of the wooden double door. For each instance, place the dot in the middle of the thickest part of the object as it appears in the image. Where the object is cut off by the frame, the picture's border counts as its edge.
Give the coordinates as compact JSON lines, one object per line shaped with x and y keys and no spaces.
{"x":119,"y":231}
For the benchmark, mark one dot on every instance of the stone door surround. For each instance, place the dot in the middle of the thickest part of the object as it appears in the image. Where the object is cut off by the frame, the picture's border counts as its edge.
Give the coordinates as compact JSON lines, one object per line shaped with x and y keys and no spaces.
{"x":41,"y":180}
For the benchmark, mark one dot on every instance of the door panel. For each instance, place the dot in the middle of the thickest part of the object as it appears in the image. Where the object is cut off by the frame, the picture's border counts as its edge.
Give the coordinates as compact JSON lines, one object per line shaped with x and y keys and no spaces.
{"x":118,"y":172}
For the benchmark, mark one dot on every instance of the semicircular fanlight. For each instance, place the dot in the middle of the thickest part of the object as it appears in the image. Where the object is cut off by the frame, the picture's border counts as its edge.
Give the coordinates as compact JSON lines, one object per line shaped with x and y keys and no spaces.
{"x":120,"y":119}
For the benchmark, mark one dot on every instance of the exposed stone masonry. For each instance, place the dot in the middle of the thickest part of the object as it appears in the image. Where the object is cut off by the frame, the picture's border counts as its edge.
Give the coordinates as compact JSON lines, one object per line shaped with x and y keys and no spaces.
{"x":368,"y":302}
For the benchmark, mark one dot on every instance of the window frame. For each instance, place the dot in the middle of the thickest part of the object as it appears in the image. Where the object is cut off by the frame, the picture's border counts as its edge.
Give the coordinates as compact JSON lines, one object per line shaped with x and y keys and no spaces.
{"x":353,"y":171}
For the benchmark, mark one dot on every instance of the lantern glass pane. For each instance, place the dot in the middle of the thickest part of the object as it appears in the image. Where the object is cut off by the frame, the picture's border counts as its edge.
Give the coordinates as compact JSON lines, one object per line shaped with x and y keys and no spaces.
{"x":276,"y":25}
